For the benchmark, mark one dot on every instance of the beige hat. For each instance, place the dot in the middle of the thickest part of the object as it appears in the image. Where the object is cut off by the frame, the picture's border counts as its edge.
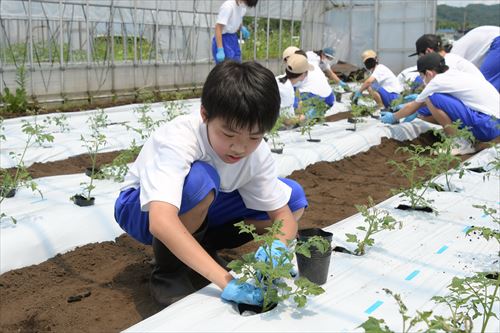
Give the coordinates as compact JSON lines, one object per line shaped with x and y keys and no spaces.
{"x":368,"y":54}
{"x":289,"y":51}
{"x":297,"y":64}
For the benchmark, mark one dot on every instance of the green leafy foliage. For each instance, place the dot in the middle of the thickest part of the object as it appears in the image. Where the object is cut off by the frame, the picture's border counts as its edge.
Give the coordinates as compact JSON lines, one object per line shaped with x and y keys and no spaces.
{"x":119,"y":166}
{"x":271,"y":277}
{"x":418,"y":159}
{"x":16,"y":102}
{"x":486,"y":232}
{"x":93,"y":143}
{"x":35,"y":133}
{"x":376,"y":220}
{"x":313,"y":110}
{"x":444,"y":162}
{"x":274,"y":133}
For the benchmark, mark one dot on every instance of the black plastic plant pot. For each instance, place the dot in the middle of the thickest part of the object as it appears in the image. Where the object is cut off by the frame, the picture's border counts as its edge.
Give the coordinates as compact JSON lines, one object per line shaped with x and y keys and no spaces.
{"x":6,"y":193}
{"x":338,"y":96}
{"x":88,"y":171}
{"x":277,"y":150}
{"x":253,"y":309}
{"x":82,"y":201}
{"x":316,"y":267}
{"x":305,"y":234}
{"x":314,"y":140}
{"x":418,"y":208}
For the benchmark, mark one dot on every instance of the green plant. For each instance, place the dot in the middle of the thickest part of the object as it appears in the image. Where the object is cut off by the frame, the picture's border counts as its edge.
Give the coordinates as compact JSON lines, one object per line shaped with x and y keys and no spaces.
{"x":271,"y":276}
{"x":93,"y":143}
{"x":119,"y":167}
{"x":274,"y":133}
{"x":313,"y":111}
{"x":418,"y":159}
{"x":444,"y":161}
{"x":146,"y":122}
{"x":377,"y":221}
{"x":20,"y":177}
{"x":469,"y":298}
{"x":173,"y":109}
{"x":60,"y":121}
{"x":488,"y":233}
{"x":17,"y":102}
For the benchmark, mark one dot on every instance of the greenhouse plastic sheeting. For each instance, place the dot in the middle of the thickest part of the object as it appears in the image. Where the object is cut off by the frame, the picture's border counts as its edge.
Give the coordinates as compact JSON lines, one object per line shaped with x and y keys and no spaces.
{"x":417,"y":261}
{"x":40,"y":233}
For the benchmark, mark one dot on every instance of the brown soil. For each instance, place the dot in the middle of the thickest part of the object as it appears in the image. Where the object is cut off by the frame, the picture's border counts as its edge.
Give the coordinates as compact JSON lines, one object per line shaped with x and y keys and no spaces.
{"x":112,"y":277}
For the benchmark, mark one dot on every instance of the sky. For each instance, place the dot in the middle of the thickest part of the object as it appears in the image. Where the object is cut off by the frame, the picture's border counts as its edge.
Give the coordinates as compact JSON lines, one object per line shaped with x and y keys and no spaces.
{"x":463,"y":3}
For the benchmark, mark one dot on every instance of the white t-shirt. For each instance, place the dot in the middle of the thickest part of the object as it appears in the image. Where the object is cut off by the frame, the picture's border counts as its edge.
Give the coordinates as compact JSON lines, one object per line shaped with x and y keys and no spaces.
{"x":407,"y":74}
{"x":315,"y":81}
{"x":287,"y":95}
{"x":386,"y":79}
{"x":476,"y":93}
{"x":231,"y":15}
{"x":474,"y":45}
{"x":166,"y":158}
{"x":454,"y":61}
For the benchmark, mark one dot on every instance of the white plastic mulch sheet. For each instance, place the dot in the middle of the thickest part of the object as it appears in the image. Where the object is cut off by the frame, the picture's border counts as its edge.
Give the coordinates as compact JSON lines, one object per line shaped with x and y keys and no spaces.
{"x":417,"y":261}
{"x":67,"y":142}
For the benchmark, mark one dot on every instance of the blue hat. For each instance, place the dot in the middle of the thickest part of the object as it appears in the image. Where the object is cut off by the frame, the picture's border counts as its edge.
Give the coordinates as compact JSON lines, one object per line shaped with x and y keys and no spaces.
{"x":329,"y":52}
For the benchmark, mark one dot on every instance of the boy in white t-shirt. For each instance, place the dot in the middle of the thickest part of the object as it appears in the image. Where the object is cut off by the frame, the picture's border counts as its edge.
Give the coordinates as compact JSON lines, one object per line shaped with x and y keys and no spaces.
{"x":481,"y":46}
{"x":199,"y":174}
{"x":382,"y":84}
{"x":225,"y":42}
{"x":432,"y":43}
{"x":450,"y":95}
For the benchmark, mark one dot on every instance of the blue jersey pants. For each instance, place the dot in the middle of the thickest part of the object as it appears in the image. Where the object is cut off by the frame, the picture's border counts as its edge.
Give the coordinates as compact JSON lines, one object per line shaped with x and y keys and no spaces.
{"x":230,"y":45}
{"x":200,"y":181}
{"x":482,"y":126}
{"x":491,"y":64}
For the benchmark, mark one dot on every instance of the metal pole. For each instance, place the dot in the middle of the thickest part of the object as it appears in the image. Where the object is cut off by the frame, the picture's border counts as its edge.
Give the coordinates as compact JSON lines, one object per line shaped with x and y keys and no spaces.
{"x":157,"y":45}
{"x":61,"y":49}
{"x":134,"y":67}
{"x":112,"y":33}
{"x":267,"y":35}
{"x":89,"y":65}
{"x":291,"y":25}
{"x":376,"y":24}
{"x":30,"y":34}
{"x":255,"y":30}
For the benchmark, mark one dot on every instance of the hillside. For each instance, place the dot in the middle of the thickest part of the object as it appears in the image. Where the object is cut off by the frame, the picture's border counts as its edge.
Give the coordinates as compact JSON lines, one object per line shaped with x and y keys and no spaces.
{"x":476,"y":15}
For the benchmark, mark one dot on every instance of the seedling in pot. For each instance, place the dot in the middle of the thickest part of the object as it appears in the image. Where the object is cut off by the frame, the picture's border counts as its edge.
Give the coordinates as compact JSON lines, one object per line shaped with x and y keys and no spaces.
{"x":418,"y":159}
{"x":93,"y":144}
{"x":357,"y":112}
{"x":271,"y":277}
{"x":377,"y":221}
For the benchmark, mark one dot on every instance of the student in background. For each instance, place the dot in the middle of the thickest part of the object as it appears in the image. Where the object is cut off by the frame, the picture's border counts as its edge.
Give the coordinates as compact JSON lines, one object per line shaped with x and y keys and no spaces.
{"x":325,"y":59}
{"x":432,"y":43}
{"x":296,"y":70}
{"x":450,"y":95}
{"x":225,"y":42}
{"x":481,"y":46}
{"x":382,"y":84}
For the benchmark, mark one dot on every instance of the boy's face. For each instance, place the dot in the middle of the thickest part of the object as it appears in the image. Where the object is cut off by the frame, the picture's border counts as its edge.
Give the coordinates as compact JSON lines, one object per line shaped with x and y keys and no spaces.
{"x":231,"y":144}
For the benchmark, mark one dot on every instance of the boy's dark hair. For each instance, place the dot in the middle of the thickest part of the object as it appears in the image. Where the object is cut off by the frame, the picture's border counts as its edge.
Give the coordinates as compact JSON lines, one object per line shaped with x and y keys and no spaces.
{"x":370,"y":63}
{"x":289,"y":75}
{"x":244,"y":95}
{"x":251,"y":3}
{"x":301,"y":52}
{"x":431,"y":61}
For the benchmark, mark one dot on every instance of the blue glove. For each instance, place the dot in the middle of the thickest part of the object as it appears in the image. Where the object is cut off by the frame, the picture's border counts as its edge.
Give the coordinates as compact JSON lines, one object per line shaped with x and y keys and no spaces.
{"x":357,"y":94}
{"x":410,"y":98}
{"x":387,"y":118}
{"x":242,"y":293}
{"x":410,"y":117}
{"x":277,"y":249}
{"x":342,"y":84}
{"x":220,"y":55}
{"x":399,"y":107}
{"x":244,"y":32}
